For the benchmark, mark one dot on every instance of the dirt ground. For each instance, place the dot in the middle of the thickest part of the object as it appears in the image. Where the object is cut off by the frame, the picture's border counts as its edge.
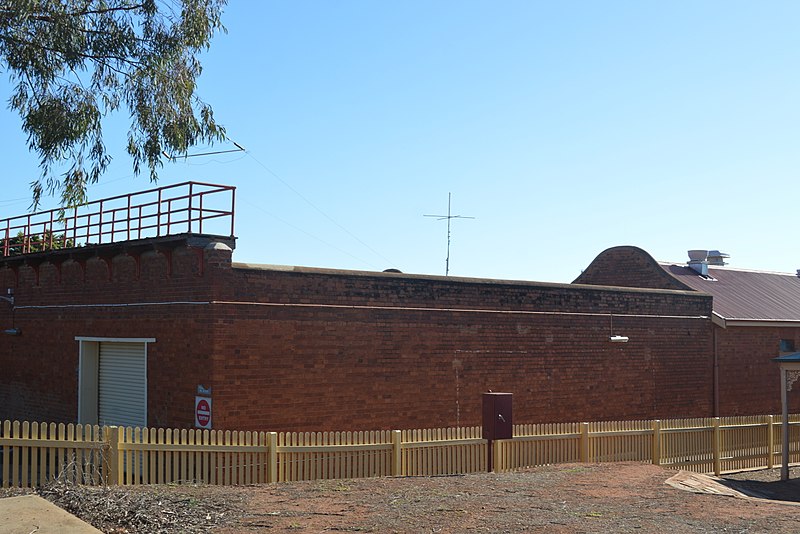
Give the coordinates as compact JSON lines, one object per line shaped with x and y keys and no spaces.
{"x":560,"y":499}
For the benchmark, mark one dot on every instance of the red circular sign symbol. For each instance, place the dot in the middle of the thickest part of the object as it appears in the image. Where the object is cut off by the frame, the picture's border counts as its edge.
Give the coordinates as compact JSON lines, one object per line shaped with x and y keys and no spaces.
{"x":203,"y":413}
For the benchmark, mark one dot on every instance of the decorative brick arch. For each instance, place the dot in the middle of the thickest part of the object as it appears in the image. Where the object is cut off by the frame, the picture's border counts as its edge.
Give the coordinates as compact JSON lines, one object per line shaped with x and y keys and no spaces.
{"x":628,"y":266}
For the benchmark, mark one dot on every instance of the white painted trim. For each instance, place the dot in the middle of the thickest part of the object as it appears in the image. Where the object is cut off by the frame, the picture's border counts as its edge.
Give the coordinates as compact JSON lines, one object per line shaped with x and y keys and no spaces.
{"x":146,"y":391}
{"x":117,"y":339}
{"x":82,"y":342}
{"x":784,"y":423}
{"x":725,"y":322}
{"x":87,"y":382}
{"x":80,"y":380}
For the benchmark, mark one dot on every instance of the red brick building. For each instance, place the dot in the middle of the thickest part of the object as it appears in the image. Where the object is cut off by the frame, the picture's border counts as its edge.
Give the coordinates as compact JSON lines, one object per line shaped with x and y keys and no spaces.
{"x":756,"y":317}
{"x":128,"y":331}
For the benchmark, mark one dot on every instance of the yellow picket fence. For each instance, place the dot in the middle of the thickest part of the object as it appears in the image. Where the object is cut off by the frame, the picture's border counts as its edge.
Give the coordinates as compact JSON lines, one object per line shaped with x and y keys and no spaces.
{"x":33,"y":454}
{"x":706,"y":445}
{"x":441,"y":451}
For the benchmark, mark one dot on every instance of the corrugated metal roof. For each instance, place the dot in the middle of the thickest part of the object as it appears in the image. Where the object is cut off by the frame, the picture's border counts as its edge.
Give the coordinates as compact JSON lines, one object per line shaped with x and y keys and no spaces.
{"x":745,"y":295}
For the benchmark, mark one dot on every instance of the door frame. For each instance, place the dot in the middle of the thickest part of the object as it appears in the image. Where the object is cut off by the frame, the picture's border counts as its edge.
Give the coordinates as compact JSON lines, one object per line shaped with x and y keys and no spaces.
{"x":88,"y":373}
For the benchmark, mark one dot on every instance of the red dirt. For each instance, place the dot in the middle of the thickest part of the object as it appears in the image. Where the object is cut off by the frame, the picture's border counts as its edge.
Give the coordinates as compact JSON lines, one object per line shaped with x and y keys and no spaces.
{"x":571,"y":498}
{"x":560,"y":499}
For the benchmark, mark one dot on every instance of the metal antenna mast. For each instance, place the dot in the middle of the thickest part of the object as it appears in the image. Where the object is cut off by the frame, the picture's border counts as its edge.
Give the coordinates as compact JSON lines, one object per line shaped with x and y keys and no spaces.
{"x":448,"y":217}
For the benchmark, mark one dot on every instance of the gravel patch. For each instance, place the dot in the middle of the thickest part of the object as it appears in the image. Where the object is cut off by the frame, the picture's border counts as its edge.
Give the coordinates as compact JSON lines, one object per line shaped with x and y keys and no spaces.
{"x":621,"y":497}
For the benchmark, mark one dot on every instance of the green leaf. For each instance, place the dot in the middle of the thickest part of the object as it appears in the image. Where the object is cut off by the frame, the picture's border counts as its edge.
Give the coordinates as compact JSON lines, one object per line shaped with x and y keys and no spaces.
{"x":74,"y":62}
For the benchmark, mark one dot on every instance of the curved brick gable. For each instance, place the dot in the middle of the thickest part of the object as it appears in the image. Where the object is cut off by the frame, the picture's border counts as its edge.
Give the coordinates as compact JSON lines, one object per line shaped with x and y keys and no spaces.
{"x":628,"y":266}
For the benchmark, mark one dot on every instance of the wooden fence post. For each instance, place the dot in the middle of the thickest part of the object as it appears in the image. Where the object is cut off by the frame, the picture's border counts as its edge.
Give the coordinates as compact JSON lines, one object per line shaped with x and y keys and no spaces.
{"x":5,"y":472}
{"x":770,"y":442}
{"x":717,"y":446}
{"x":273,"y":457}
{"x":111,"y":462}
{"x":657,"y":442}
{"x":585,"y":443}
{"x":498,"y":458}
{"x":397,"y":453}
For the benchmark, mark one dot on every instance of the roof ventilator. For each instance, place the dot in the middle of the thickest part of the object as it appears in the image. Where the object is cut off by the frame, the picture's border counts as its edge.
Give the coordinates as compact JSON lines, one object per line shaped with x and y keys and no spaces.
{"x":717,"y":258}
{"x":699,"y":260}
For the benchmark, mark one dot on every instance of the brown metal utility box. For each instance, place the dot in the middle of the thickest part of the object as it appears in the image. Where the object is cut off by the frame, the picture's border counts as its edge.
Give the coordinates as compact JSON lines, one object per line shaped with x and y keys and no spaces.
{"x":497,"y":417}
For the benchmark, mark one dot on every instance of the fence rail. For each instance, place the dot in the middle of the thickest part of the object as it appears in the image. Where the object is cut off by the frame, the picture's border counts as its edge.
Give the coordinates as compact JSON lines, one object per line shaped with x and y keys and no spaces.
{"x":706,"y":445}
{"x":33,"y":454}
{"x":181,"y":208}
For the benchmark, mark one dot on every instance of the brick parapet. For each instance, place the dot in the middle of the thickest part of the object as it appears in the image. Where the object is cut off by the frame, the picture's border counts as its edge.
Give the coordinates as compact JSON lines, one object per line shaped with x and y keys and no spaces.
{"x":150,"y":294}
{"x":387,"y":289}
{"x":628,"y":266}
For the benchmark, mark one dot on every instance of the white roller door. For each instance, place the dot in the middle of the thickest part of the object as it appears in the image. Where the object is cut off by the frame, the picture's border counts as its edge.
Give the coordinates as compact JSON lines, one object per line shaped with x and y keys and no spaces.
{"x":122,"y":384}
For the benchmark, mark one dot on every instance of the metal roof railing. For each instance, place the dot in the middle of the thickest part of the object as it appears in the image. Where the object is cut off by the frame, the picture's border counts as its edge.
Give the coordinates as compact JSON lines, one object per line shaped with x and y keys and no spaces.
{"x":188,"y":207}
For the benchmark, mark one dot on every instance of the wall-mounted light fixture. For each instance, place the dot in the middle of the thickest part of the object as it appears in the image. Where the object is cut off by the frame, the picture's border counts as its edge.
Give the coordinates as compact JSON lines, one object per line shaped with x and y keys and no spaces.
{"x":615,"y":338}
{"x":12,"y":332}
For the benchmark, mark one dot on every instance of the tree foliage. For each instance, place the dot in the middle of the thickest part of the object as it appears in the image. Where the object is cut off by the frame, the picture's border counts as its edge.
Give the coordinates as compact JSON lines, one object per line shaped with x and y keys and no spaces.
{"x":72,"y":62}
{"x":22,"y":244}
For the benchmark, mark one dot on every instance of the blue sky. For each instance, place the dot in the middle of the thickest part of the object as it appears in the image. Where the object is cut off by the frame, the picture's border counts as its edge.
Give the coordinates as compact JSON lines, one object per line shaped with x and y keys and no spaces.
{"x":564,"y":128}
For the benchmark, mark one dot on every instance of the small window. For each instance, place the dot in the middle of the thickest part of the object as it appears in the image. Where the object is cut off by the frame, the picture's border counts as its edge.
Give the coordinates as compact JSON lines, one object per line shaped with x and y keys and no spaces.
{"x":787,"y":345}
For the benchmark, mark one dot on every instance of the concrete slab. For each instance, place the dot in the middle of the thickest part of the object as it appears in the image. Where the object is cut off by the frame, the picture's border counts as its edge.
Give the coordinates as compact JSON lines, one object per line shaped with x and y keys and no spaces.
{"x":30,"y":514}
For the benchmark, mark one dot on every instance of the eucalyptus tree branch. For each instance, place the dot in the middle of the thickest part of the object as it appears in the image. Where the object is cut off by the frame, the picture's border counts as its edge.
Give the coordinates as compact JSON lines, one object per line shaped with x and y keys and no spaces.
{"x":140,"y":54}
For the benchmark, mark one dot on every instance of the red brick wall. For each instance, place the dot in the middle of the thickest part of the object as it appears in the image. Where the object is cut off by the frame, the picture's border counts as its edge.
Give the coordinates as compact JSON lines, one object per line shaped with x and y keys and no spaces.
{"x":356,"y":369}
{"x":627,"y":267}
{"x":39,"y":376}
{"x":749,"y":380}
{"x":315,"y":350}
{"x":329,"y":350}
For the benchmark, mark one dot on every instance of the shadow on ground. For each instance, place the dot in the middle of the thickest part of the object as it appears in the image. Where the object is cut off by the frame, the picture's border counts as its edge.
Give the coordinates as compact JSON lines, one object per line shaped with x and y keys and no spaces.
{"x":773,"y":490}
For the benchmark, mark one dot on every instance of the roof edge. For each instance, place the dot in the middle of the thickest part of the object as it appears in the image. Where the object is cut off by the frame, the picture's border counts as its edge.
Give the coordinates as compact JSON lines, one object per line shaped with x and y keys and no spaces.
{"x":456,"y":279}
{"x":771,"y":323}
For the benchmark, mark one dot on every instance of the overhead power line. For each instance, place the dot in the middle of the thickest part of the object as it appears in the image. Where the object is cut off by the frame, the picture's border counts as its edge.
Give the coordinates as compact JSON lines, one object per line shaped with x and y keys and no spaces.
{"x":240,"y":148}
